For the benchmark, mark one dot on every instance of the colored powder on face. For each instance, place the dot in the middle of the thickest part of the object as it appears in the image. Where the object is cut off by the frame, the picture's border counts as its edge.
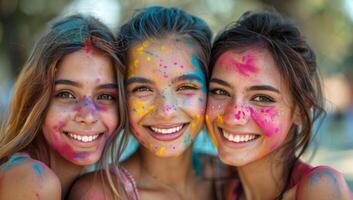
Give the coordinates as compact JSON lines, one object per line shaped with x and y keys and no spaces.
{"x":161,"y":151}
{"x":141,"y":108}
{"x":38,"y":169}
{"x":264,"y":118}
{"x":15,"y":160}
{"x":187,"y":141}
{"x":98,"y":80}
{"x":148,"y":53}
{"x":196,"y":121}
{"x":198,"y":70}
{"x":219,"y":120}
{"x":87,"y":45}
{"x":210,"y":131}
{"x":245,"y":67}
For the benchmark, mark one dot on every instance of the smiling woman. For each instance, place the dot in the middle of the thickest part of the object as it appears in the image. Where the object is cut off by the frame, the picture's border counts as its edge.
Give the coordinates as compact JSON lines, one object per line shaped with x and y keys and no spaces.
{"x":66,"y":111}
{"x":264,"y":98}
{"x":166,"y":51}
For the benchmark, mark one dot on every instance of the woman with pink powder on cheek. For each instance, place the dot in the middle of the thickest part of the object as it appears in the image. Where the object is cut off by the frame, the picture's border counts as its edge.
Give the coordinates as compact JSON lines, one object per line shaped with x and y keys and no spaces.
{"x":67,"y":108}
{"x":264,"y":97}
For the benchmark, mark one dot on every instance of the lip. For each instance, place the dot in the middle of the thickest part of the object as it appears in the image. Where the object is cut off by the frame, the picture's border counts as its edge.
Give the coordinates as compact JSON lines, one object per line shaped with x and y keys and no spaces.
{"x":169,"y":136}
{"x":81,"y":144}
{"x":234,"y":144}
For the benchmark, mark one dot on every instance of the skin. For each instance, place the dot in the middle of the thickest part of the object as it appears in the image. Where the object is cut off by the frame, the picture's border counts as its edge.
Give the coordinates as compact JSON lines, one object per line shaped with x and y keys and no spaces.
{"x":166,"y":89}
{"x":249,"y":114}
{"x":83,"y":103}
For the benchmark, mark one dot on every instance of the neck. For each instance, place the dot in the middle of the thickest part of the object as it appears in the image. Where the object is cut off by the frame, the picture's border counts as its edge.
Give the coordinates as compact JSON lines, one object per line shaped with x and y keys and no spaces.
{"x":262,"y":179}
{"x":176,"y":172}
{"x":66,"y":171}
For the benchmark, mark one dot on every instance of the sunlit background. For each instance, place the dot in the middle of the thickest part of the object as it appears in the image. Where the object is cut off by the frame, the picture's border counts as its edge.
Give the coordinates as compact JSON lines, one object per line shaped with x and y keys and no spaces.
{"x":327,"y":25}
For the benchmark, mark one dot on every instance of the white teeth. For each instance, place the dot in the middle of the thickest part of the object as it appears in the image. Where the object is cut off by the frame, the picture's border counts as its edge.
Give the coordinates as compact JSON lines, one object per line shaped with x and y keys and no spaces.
{"x":238,"y":138}
{"x":167,"y":130}
{"x":84,"y":138}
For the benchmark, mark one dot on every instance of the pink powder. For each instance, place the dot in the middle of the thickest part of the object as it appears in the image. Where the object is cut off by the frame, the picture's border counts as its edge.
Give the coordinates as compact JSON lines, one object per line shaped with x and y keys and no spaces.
{"x":245,"y":67}
{"x":264,"y":118}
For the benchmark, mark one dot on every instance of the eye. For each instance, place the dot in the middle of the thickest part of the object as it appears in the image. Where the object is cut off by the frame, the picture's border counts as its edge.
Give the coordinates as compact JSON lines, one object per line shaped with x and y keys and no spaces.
{"x":263,"y":99}
{"x":141,"y":89}
{"x":65,"y":95}
{"x":106,"y":97}
{"x":187,"y":87}
{"x":220,"y":92}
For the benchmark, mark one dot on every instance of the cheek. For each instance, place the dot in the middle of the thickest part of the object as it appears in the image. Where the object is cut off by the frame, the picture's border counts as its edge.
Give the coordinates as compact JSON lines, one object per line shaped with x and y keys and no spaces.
{"x":267,"y":119}
{"x":110,"y":118}
{"x":138,"y":108}
{"x":215,"y":109}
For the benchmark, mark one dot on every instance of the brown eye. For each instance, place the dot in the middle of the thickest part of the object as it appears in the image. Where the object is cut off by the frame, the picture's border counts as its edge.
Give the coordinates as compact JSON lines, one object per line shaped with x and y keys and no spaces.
{"x":141,"y":89}
{"x":220,"y":92}
{"x":263,"y":99}
{"x":106,"y":97}
{"x":65,"y":95}
{"x":187,"y":87}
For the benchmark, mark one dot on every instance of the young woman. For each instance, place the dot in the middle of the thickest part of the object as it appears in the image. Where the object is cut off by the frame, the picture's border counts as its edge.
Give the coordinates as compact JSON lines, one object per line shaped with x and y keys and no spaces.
{"x":65,"y":109}
{"x":166,"y":51}
{"x":264,"y":96}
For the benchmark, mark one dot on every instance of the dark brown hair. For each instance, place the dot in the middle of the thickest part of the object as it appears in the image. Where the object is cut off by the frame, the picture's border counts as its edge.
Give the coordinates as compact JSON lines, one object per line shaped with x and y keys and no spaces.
{"x":296,"y":63}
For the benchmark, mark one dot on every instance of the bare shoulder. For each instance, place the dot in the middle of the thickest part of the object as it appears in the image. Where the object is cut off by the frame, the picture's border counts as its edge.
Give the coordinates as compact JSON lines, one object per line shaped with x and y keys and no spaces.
{"x":323,"y":183}
{"x":28,"y":179}
{"x":89,"y":186}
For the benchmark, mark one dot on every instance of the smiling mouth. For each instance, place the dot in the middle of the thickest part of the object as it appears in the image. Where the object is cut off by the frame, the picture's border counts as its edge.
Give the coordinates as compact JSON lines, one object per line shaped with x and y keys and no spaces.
{"x":83,"y":138}
{"x":166,"y":131}
{"x":238,"y":138}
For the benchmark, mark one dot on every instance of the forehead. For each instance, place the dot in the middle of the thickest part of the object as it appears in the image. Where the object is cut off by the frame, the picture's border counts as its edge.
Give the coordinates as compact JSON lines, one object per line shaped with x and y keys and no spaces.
{"x":81,"y":63}
{"x":171,"y":55}
{"x":253,"y":64}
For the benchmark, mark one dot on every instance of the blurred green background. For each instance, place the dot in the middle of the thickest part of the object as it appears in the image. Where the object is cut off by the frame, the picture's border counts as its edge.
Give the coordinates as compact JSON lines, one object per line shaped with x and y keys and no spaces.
{"x":327,"y":25}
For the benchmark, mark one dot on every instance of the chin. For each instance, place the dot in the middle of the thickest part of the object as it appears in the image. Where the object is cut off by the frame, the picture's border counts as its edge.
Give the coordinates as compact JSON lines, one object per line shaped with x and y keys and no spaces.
{"x":85,"y":159}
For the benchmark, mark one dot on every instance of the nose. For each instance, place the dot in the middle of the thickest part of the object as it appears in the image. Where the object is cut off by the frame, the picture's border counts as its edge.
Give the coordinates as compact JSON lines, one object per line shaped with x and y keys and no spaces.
{"x":86,"y":111}
{"x":166,"y":106}
{"x":237,"y":115}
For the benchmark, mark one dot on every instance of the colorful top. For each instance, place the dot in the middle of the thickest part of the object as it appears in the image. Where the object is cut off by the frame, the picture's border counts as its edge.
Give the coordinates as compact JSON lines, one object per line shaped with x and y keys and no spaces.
{"x":129,"y":183}
{"x":234,"y":189}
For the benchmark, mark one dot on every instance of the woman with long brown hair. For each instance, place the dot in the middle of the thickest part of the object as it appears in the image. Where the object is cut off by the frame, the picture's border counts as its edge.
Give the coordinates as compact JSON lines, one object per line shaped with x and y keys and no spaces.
{"x":67,"y":109}
{"x":264,"y":98}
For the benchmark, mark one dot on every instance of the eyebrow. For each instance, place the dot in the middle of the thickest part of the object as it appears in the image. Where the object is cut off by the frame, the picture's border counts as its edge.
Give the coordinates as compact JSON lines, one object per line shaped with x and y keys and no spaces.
{"x":108,"y":86}
{"x":189,"y":77}
{"x":255,"y":87}
{"x":67,"y":82}
{"x":219,"y":81}
{"x":137,"y":80}
{"x":76,"y":84}
{"x":264,"y":87}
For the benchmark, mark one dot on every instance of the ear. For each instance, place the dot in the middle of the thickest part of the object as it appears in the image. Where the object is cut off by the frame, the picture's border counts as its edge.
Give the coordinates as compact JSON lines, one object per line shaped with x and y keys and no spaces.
{"x":297,"y":117}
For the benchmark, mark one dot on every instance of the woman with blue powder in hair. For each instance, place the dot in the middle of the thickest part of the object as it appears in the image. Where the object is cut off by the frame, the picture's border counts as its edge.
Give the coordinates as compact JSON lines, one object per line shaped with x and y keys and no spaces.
{"x":166,"y":51}
{"x":264,"y":97}
{"x":67,"y":108}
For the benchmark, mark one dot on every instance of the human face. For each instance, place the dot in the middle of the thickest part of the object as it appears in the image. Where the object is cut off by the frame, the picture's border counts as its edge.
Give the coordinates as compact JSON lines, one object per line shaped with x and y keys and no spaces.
{"x":166,"y":95}
{"x":83,"y":110}
{"x":249,"y":111}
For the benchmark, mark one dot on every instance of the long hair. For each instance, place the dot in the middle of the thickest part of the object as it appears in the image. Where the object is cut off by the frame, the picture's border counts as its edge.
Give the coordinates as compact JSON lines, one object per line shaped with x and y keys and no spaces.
{"x":296,"y":62}
{"x":22,"y":131}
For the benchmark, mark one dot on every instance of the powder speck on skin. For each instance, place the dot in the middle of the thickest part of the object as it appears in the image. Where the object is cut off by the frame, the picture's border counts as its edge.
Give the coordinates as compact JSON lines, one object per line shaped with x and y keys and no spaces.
{"x":245,"y":66}
{"x":37,"y":169}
